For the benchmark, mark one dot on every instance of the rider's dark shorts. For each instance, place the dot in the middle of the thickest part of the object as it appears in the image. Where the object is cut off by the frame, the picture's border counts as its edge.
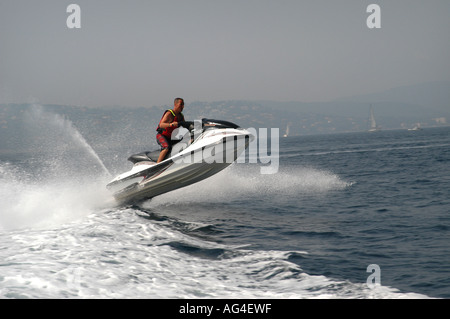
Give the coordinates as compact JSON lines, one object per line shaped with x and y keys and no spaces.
{"x":163,"y":141}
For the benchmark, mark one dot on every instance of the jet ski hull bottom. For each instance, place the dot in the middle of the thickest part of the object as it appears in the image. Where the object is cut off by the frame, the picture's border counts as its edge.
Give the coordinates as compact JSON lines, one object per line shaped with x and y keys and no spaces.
{"x":182,"y":177}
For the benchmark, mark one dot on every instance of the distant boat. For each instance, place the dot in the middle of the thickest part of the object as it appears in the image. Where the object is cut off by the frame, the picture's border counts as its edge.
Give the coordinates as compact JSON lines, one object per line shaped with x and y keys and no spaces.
{"x":287,"y":131}
{"x":373,"y":123}
{"x":415,"y":128}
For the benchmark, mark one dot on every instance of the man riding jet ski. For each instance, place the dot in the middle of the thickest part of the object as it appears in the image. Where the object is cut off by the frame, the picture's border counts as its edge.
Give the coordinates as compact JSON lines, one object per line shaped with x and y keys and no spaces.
{"x":208,"y":147}
{"x":170,"y":120}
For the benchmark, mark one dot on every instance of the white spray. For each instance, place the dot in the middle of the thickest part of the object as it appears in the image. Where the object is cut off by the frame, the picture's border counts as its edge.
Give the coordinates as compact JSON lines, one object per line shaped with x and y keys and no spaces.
{"x":64,"y":126}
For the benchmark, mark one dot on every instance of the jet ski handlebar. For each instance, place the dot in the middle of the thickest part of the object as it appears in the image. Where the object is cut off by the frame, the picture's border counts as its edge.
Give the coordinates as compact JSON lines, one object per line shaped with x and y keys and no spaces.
{"x":187,"y":125}
{"x":208,"y":123}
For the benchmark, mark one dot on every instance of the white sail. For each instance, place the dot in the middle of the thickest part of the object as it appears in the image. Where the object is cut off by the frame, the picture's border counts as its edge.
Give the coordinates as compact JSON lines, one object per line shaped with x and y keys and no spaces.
{"x":373,"y":123}
{"x":287,"y":131}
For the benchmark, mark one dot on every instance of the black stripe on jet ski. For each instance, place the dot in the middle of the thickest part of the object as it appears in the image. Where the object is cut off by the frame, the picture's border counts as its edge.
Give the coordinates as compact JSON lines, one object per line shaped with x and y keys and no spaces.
{"x":159,"y":172}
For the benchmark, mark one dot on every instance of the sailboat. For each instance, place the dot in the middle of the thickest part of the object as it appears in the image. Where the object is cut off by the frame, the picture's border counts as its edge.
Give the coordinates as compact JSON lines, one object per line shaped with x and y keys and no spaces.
{"x":287,"y":131}
{"x":373,"y":123}
{"x":415,"y":128}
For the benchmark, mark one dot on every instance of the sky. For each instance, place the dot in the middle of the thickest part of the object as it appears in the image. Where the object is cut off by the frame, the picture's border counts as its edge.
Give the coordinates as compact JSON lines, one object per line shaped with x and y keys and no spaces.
{"x":146,"y":53}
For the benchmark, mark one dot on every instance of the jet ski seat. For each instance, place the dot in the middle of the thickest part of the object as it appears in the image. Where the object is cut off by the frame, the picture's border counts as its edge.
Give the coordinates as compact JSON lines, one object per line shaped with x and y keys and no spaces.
{"x":151,"y":156}
{"x":144,"y":156}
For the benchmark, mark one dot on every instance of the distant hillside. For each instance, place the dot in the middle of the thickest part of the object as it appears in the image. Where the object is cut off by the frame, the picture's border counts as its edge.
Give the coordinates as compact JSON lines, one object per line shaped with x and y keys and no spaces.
{"x":428,"y":104}
{"x":432,"y":96}
{"x":403,"y":107}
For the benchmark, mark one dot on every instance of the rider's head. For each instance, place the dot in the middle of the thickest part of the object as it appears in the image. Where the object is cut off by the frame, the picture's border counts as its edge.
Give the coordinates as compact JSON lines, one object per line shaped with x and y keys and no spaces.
{"x":178,"y":105}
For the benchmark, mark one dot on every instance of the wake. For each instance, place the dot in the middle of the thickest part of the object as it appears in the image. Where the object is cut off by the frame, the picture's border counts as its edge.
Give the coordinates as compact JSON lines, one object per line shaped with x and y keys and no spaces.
{"x":240,"y":182}
{"x":62,"y":178}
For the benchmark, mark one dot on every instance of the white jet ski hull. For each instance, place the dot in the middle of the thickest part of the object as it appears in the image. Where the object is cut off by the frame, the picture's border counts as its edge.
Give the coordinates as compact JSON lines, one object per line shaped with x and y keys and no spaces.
{"x":210,"y":153}
{"x":193,"y":173}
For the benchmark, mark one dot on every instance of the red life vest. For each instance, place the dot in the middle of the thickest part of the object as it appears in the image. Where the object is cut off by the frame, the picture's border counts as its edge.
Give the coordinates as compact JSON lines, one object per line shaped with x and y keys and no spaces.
{"x":168,"y":131}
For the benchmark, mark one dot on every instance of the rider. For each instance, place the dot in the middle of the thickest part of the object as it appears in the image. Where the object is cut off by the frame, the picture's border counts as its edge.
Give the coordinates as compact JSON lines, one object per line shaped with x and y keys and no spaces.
{"x":170,"y":120}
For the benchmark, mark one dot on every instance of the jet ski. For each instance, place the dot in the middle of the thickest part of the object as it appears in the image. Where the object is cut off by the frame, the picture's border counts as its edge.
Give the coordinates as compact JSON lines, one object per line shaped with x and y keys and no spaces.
{"x":207,"y":148}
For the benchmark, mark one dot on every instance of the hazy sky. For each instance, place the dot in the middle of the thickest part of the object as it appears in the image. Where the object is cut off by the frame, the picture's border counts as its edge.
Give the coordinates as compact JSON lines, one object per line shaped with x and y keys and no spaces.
{"x":139,"y":53}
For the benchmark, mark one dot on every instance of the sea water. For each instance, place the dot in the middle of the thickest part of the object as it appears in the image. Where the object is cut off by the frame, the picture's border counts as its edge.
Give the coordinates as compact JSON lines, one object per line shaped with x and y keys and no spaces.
{"x":337,"y":204}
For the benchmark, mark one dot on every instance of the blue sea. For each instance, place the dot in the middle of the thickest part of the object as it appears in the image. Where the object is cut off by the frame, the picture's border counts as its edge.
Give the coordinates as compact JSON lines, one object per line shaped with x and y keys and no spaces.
{"x":337,"y":205}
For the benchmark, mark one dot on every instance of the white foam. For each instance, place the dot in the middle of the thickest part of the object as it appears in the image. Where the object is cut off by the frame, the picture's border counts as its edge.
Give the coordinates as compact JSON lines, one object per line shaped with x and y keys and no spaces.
{"x":62,"y":180}
{"x":59,"y":137}
{"x":39,"y":204}
{"x":242,"y":181}
{"x":118,"y":254}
